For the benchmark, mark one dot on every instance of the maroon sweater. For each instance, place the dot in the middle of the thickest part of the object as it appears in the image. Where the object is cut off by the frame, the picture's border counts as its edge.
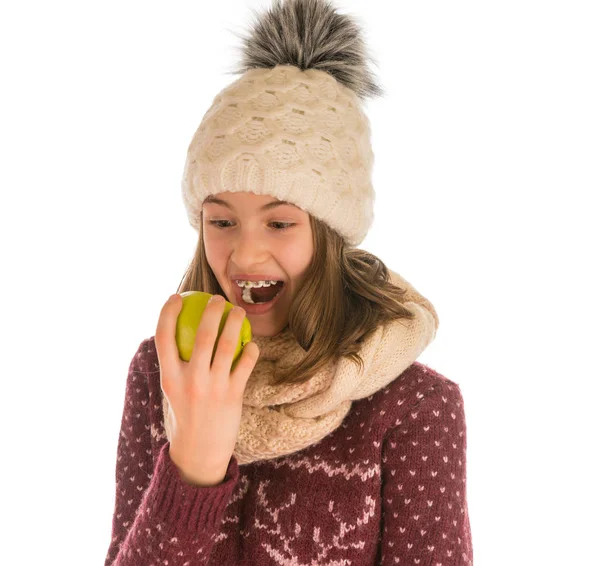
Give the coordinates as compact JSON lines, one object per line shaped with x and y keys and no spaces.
{"x":387,"y":487}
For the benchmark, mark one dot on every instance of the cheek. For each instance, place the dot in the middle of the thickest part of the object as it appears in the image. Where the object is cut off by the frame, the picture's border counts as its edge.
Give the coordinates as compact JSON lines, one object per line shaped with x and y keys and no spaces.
{"x":301,"y":252}
{"x":212,"y":241}
{"x":215,"y":252}
{"x":296,"y":260}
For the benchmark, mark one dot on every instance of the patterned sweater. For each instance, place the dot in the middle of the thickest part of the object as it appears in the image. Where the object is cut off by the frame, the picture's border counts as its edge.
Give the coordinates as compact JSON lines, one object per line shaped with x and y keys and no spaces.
{"x":387,"y":487}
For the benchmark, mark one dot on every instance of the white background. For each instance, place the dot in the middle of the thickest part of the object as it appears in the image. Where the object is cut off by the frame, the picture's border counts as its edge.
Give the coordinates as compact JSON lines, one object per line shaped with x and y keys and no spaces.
{"x":487,"y":148}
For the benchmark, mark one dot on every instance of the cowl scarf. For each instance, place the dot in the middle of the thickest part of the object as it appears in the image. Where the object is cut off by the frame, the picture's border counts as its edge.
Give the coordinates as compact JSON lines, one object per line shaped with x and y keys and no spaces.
{"x":282,"y":419}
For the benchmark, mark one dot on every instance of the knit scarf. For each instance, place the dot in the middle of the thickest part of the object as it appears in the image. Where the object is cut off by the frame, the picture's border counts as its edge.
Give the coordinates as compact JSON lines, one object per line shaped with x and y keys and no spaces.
{"x":278,"y":420}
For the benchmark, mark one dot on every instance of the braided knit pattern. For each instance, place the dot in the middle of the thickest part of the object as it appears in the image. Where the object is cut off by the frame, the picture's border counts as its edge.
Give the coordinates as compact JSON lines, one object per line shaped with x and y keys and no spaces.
{"x":297,"y":135}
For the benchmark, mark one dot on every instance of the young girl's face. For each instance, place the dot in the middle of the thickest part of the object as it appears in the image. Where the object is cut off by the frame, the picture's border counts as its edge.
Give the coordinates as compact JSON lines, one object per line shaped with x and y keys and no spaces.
{"x":246,"y":238}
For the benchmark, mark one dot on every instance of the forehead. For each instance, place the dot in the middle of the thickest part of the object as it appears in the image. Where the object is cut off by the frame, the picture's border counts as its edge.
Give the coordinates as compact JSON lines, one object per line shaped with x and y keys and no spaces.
{"x":233,"y":199}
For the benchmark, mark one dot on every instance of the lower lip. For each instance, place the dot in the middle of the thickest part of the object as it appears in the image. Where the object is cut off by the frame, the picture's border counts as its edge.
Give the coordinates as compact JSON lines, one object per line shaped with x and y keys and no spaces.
{"x":256,"y":309}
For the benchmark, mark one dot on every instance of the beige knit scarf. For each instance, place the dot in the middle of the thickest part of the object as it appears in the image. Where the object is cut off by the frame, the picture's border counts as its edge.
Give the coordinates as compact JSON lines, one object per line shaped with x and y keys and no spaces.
{"x":281,"y":419}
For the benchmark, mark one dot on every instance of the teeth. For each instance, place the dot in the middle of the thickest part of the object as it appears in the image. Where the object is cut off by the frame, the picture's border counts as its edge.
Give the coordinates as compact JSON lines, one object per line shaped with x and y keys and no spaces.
{"x":256,"y":284}
{"x":247,"y":295}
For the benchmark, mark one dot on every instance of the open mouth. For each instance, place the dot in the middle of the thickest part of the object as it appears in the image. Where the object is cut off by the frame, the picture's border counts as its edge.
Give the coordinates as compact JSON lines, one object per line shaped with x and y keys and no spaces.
{"x":259,"y":300}
{"x":258,"y":295}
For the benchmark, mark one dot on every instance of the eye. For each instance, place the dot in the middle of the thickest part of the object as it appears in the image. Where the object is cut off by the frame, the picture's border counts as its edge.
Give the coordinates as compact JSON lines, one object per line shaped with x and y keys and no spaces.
{"x":217,"y":224}
{"x":285,"y":225}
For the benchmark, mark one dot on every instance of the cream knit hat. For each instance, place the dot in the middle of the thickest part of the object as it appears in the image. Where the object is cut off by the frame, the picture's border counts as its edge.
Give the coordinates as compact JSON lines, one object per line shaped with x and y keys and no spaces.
{"x":292,"y":126}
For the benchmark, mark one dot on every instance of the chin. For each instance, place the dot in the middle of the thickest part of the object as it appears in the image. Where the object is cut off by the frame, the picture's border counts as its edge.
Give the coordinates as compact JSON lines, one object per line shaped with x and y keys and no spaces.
{"x":266,"y":328}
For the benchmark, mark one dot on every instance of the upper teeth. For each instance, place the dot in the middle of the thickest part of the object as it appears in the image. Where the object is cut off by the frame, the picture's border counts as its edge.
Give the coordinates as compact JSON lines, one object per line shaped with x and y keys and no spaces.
{"x":255,"y":283}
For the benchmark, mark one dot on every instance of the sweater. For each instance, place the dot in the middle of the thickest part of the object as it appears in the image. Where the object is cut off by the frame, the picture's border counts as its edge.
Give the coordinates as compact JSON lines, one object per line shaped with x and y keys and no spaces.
{"x":387,"y":487}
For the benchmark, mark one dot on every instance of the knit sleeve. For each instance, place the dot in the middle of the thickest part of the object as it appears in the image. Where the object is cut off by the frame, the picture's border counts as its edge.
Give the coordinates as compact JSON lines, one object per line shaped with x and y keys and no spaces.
{"x":425,"y":515}
{"x":158,"y":518}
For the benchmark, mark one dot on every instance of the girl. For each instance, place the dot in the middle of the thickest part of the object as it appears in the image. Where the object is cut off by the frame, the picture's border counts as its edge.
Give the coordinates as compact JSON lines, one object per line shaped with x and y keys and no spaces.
{"x":328,"y":444}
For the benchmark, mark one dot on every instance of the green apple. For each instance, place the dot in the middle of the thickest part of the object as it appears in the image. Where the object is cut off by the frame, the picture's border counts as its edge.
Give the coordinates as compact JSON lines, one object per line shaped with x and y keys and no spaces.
{"x":194,"y":303}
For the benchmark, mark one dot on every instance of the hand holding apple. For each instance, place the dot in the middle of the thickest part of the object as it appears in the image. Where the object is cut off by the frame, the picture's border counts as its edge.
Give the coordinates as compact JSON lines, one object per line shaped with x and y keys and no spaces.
{"x":194,"y":304}
{"x":205,"y":398}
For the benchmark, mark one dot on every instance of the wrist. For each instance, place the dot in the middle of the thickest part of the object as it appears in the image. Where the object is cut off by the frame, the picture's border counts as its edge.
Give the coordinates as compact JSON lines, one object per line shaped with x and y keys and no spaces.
{"x":198,"y":477}
{"x":203,"y":480}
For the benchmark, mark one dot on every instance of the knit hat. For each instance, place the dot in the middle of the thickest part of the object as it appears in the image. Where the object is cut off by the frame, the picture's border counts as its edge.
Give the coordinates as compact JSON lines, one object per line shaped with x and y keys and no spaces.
{"x":292,"y":126}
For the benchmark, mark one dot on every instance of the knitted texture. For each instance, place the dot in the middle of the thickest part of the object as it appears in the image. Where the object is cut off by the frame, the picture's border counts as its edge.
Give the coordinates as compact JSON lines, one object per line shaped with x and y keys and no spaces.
{"x":281,"y":419}
{"x":386,"y":488}
{"x":299,"y":136}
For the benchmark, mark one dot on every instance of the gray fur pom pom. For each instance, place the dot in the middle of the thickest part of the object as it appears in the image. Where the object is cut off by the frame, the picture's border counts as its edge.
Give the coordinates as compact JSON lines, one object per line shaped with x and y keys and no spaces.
{"x":310,"y":34}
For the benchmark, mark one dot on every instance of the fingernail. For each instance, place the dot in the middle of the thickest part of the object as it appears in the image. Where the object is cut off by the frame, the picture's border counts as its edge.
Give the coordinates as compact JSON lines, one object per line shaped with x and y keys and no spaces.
{"x":173,"y":297}
{"x":216,"y":298}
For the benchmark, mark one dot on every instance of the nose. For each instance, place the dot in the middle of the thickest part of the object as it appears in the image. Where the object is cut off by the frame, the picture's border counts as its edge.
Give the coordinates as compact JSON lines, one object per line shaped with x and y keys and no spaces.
{"x":248,"y":254}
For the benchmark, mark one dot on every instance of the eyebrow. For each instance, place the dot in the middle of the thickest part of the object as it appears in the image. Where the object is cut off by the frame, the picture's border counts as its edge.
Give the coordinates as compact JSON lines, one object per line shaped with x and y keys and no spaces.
{"x":268,"y":206}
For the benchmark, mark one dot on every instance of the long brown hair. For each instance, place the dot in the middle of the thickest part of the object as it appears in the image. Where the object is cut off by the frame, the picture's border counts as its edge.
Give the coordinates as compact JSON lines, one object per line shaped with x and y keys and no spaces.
{"x":346,"y":295}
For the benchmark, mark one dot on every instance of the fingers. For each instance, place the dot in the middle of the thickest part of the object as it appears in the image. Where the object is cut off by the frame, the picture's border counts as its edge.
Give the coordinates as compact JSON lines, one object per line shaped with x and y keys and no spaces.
{"x":206,"y":336}
{"x":228,"y":342}
{"x":166,"y":348}
{"x":244,"y":367}
{"x":205,"y":344}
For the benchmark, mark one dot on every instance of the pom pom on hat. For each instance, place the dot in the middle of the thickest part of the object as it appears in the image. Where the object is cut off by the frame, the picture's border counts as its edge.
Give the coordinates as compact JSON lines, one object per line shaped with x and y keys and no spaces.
{"x":310,"y":34}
